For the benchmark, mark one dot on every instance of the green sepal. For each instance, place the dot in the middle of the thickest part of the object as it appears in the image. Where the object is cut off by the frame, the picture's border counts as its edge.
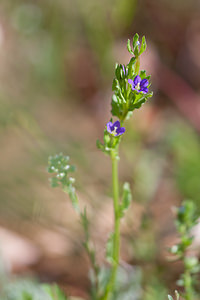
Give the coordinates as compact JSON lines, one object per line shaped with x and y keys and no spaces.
{"x":117,"y":71}
{"x":170,"y":297}
{"x":143,"y":45}
{"x":129,"y":47}
{"x":144,"y":76}
{"x":135,"y":40}
{"x":137,"y":51}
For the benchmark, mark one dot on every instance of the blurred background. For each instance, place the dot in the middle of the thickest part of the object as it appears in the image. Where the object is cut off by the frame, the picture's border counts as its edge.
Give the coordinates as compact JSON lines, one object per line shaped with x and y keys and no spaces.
{"x":57,"y":62}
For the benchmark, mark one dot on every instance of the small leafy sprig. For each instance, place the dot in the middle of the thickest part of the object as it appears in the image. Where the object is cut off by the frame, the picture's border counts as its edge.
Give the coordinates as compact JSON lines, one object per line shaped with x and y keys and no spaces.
{"x":185,"y":221}
{"x":59,"y":167}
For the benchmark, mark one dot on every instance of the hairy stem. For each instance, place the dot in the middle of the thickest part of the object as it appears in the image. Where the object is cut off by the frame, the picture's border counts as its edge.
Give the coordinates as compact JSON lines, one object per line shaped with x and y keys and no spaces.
{"x":116,"y":243}
{"x":137,"y":66}
{"x":188,"y":286}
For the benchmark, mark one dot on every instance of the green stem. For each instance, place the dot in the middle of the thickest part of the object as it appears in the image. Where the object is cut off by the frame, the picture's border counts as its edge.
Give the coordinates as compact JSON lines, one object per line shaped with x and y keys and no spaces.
{"x":188,"y":286}
{"x":116,"y":243}
{"x":137,"y":66}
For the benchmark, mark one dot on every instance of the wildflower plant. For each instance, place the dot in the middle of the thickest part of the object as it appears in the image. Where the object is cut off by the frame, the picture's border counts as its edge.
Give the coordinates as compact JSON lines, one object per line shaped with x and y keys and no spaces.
{"x":185,"y":221}
{"x":131,"y":89}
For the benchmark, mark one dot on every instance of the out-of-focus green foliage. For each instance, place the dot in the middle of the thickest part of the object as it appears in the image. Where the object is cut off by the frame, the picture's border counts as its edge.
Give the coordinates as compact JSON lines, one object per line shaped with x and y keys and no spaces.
{"x":54,"y":292}
{"x":23,"y":289}
{"x":155,"y":290}
{"x":185,"y":150}
{"x":186,"y":219}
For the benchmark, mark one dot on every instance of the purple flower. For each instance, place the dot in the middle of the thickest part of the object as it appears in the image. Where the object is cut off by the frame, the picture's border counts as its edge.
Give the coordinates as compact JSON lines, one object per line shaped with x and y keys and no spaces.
{"x":114,"y":128}
{"x":139,"y":85}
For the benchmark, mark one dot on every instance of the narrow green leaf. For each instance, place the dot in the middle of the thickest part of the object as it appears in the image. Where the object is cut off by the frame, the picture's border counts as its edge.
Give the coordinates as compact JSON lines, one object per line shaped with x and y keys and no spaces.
{"x":135,"y":41}
{"x":126,"y":199}
{"x":84,"y":220}
{"x":136,"y":45}
{"x":114,"y":85}
{"x":131,"y":66}
{"x":129,"y":47}
{"x":109,"y":248}
{"x":117,"y":72}
{"x":143,"y":45}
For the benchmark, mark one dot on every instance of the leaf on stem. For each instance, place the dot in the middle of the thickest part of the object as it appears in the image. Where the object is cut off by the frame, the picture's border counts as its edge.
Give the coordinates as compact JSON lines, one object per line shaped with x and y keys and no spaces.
{"x":109,"y":248}
{"x":143,"y":45}
{"x":126,"y":199}
{"x":129,"y":47}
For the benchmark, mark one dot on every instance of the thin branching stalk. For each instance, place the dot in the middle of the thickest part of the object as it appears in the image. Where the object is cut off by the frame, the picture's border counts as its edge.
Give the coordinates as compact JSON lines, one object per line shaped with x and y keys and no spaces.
{"x":116,"y":242}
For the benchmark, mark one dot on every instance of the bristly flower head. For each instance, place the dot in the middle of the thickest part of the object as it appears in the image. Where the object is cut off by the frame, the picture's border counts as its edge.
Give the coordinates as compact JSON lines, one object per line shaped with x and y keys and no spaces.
{"x":139,"y":85}
{"x":115,"y":129}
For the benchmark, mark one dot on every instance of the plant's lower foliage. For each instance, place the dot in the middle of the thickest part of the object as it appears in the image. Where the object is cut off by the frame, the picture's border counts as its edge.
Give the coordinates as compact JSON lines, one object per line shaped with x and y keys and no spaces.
{"x":185,"y":221}
{"x":28,"y":290}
